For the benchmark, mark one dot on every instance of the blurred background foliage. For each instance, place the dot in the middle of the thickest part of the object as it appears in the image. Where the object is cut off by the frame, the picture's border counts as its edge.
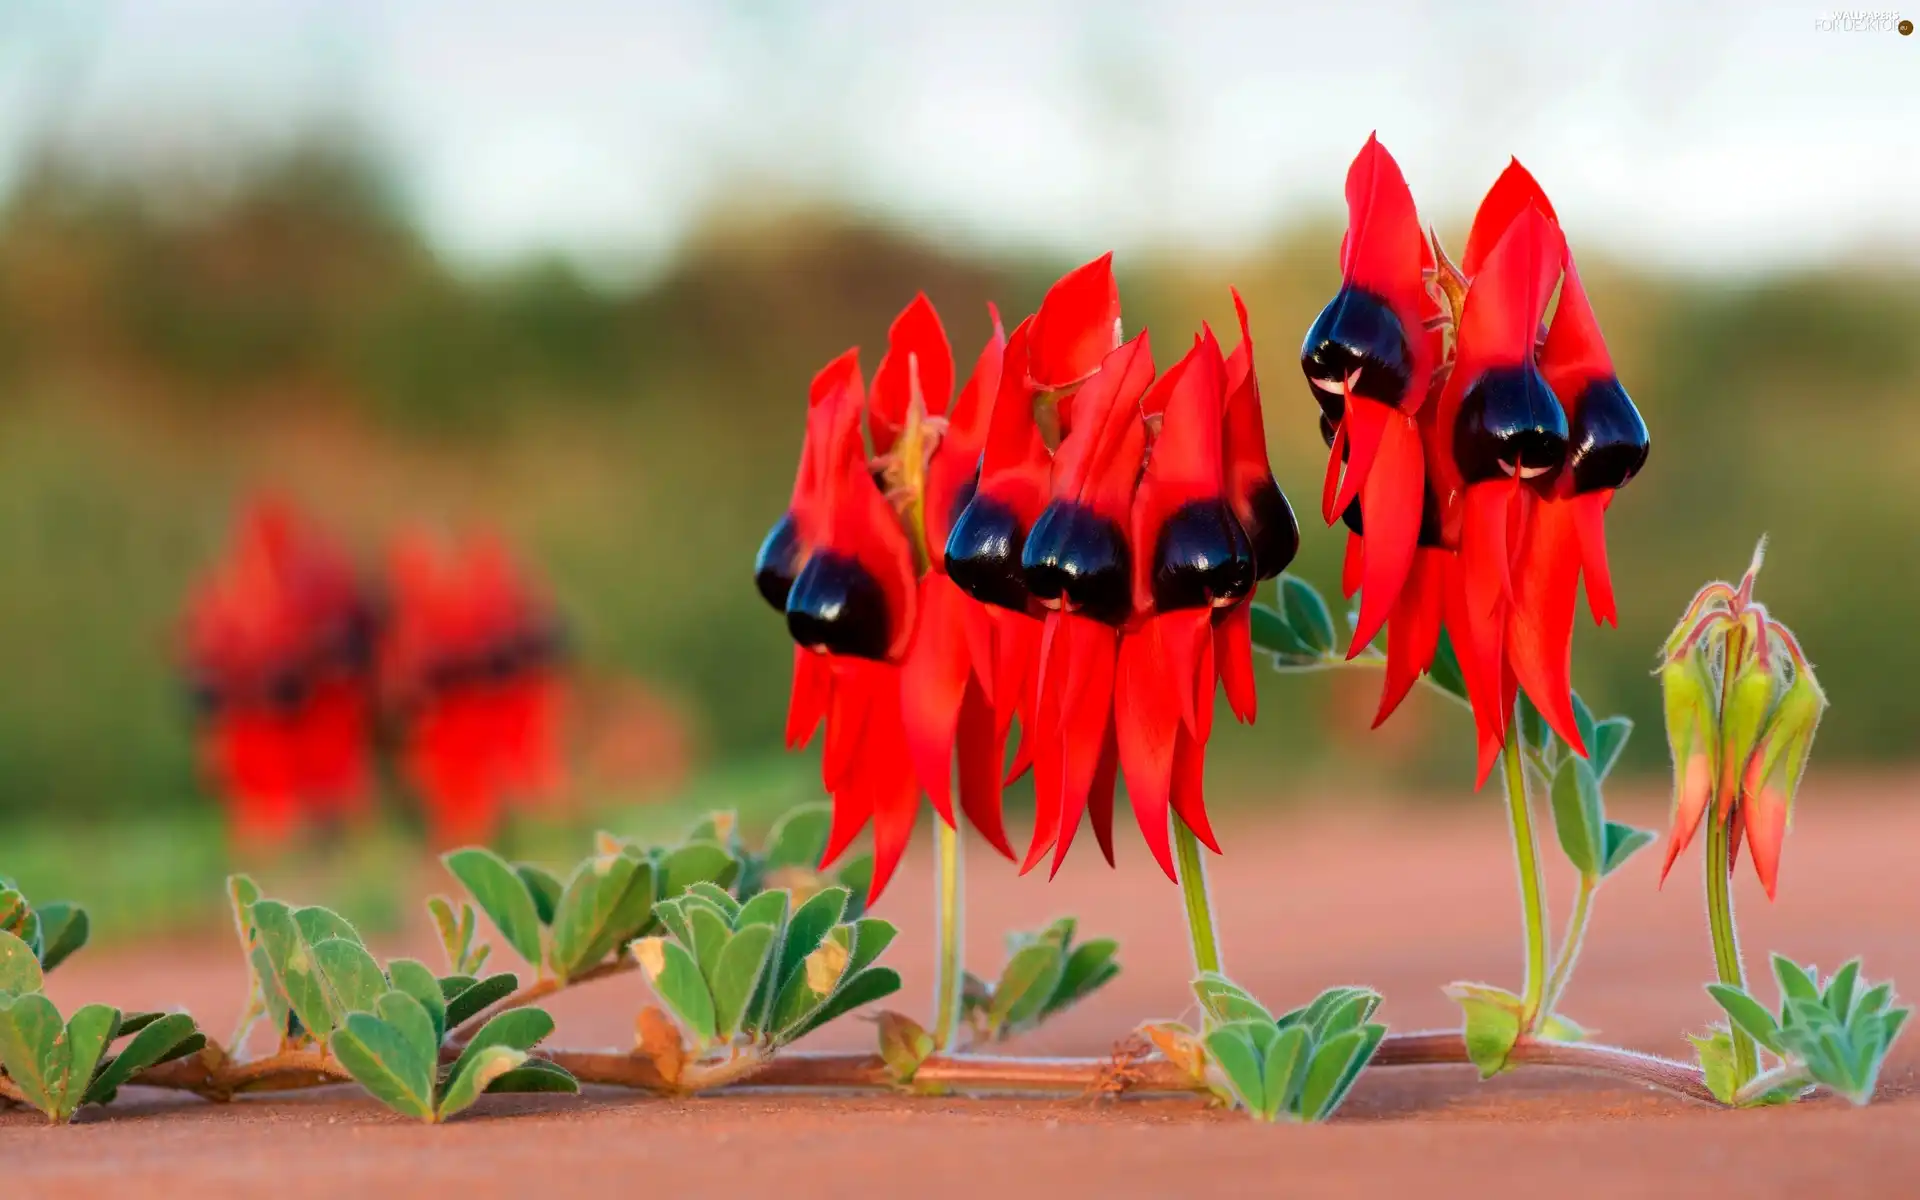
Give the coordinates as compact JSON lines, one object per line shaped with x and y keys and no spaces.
{"x":169,"y":345}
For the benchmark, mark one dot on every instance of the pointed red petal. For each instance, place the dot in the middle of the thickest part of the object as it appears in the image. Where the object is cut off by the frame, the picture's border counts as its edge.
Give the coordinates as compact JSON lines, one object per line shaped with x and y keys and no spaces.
{"x":1353,"y":567}
{"x":1233,"y":657}
{"x":1390,"y":507}
{"x":980,"y":749}
{"x":1540,"y":627}
{"x":1384,"y":247}
{"x":1187,"y":641}
{"x":1146,"y":718}
{"x":1414,"y":632}
{"x":1364,"y":425}
{"x":1100,"y":798}
{"x":1589,"y":517}
{"x":1189,"y":796}
{"x":918,"y":356}
{"x":933,"y":682}
{"x":812,"y":691}
{"x":1693,"y":788}
{"x":1086,"y":713}
{"x":1510,"y":195}
{"x":1078,"y":325}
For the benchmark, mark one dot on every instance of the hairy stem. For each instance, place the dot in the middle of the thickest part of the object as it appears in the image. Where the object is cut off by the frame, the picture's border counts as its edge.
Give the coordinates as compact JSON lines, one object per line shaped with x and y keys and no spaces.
{"x":1570,"y":944}
{"x":1533,"y":897}
{"x":1193,"y":890}
{"x":1726,"y":945}
{"x":1787,"y":1075}
{"x":949,"y":970}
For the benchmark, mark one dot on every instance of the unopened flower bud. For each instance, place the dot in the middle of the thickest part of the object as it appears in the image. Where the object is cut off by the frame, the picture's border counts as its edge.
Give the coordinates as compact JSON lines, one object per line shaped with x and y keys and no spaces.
{"x":1691,"y":728}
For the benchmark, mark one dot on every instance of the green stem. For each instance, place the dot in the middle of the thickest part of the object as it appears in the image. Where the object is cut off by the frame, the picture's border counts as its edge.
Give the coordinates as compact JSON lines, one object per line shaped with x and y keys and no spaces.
{"x":1533,"y":898}
{"x":1726,"y":945}
{"x":1570,"y":944}
{"x":949,"y":971}
{"x":1193,"y":889}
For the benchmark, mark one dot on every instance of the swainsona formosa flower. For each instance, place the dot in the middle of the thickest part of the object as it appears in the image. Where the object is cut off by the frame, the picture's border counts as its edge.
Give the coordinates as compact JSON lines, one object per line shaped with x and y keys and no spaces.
{"x":1524,"y":437}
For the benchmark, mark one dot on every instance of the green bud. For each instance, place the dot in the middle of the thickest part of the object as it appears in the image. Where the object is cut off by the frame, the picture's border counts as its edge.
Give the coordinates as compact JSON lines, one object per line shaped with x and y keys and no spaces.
{"x":1788,"y":739}
{"x":1688,"y":693}
{"x":1749,"y":702}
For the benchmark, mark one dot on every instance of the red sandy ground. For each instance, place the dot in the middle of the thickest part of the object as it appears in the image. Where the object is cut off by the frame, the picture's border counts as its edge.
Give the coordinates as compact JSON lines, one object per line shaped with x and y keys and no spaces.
{"x":1406,"y":901}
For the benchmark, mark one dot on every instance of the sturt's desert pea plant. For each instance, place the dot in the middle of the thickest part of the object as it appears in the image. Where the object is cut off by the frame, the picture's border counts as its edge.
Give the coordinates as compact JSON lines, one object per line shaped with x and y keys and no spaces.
{"x":1050,"y":562}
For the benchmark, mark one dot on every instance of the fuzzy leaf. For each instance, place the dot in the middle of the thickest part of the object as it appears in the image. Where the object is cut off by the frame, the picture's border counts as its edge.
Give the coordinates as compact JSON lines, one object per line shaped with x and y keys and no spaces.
{"x":807,"y":928}
{"x":1026,"y":985}
{"x":417,"y":981}
{"x":736,"y":976}
{"x":870,"y":937}
{"x":1285,"y":1070}
{"x":536,"y":1075}
{"x":1796,"y":982}
{"x":696,"y":862}
{"x":20,"y":970}
{"x":354,"y":977}
{"x":800,"y":837}
{"x":1492,"y":1024}
{"x":1307,"y":613}
{"x":676,"y":979}
{"x":394,"y":1070}
{"x":592,"y":894}
{"x":1578,"y":815}
{"x":1622,"y":843}
{"x":1232,"y":1048}
{"x":1838,"y":996}
{"x":1749,"y":1014}
{"x":519,"y":1029}
{"x":1337,"y":1063}
{"x":63,"y":930}
{"x":33,"y":1049}
{"x":1272,"y":633}
{"x":904,"y":1045}
{"x":157,"y":1041}
{"x":714,"y":896}
{"x":464,"y":1003}
{"x":543,"y":887}
{"x":1608,"y":740}
{"x":766,"y":908}
{"x":292,"y":961}
{"x":500,"y":892}
{"x":474,"y":1075}
{"x":875,"y":983}
{"x":1714,"y":1050}
{"x":1226,"y":1001}
{"x":1089,"y":968}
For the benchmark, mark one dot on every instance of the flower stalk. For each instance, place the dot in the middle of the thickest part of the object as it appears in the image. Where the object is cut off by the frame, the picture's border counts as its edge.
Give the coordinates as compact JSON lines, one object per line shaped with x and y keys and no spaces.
{"x":1533,"y":898}
{"x":949,"y":969}
{"x":1201,"y":933}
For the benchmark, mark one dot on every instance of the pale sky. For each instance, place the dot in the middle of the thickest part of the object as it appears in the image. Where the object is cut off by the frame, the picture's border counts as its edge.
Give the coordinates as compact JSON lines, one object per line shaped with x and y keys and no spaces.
{"x":1727,"y":136}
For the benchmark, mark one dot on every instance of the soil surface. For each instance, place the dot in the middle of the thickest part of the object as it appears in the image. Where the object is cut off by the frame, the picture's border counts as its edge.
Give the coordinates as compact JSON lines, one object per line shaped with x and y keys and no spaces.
{"x":1403,"y":900}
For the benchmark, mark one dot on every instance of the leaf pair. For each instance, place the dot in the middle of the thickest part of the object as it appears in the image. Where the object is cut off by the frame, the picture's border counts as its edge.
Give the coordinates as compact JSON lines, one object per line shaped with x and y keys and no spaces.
{"x":1494,"y":1023}
{"x":52,"y":931}
{"x":1299,"y":1066}
{"x":763,"y":971}
{"x":393,"y":1051}
{"x":1045,"y":975}
{"x":60,"y":1064}
{"x":1299,"y":632}
{"x":1836,"y":1035}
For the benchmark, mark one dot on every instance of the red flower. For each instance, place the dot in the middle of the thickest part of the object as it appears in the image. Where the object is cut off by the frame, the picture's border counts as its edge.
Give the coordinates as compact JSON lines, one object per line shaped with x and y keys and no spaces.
{"x":1522,"y":441}
{"x":900,"y":668}
{"x":277,"y":642}
{"x":472,"y":665}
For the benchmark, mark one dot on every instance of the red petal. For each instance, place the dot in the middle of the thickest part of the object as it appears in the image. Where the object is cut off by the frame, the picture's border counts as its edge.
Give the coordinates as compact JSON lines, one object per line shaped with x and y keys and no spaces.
{"x":1233,"y":656}
{"x":1098,"y":463}
{"x":918,"y":357}
{"x":1414,"y":632}
{"x":1186,"y":638}
{"x":1589,"y":517}
{"x":1693,"y":788}
{"x":1077,"y":326}
{"x":1508,"y":298}
{"x":1146,"y":720}
{"x":1385,"y":247}
{"x":1189,"y":797}
{"x":1510,"y":195}
{"x":1540,"y":627}
{"x":812,"y":691}
{"x":1390,"y":508}
{"x":933,"y":682}
{"x":980,"y":749}
{"x":1353,"y":566}
{"x":896,"y":798}
{"x":1086,"y":712}
{"x":1100,"y":797}
{"x":1336,"y":467}
{"x":1364,"y":426}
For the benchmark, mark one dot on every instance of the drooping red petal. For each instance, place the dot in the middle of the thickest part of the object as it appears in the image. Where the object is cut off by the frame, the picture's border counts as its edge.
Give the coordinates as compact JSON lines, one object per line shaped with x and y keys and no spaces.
{"x":918,"y":357}
{"x":850,"y":701}
{"x":1693,"y":789}
{"x":1100,"y":796}
{"x":1097,"y":464}
{"x":1390,"y":506}
{"x":895,"y":793}
{"x":1233,"y":658}
{"x":1362,"y":429}
{"x":1337,"y":455}
{"x":1086,"y":712}
{"x":934,"y":681}
{"x":812,"y":690}
{"x":979,"y":748}
{"x":1540,"y":627}
{"x":1077,"y":326}
{"x":1589,"y":518}
{"x":1476,"y":644}
{"x":1186,"y":639}
{"x":1353,"y":566}
{"x":1146,"y":722}
{"x":1189,"y":794}
{"x":1413,"y":633}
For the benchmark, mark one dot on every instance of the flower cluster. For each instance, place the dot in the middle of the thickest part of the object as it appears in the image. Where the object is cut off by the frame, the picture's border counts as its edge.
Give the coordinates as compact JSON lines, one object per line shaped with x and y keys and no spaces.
{"x":292,"y":656}
{"x":1071,"y":541}
{"x":1475,"y":443}
{"x":1742,"y":707}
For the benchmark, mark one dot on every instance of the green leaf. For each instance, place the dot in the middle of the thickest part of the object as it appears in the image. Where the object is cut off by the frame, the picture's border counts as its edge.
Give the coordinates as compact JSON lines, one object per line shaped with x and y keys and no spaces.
{"x":415,"y":1023}
{"x":1583,"y":724}
{"x":736,"y":976}
{"x":157,"y":1041}
{"x":474,"y":1076}
{"x":1307,"y":613}
{"x":876,"y":983}
{"x":631,"y":916}
{"x":799,"y":838}
{"x":354,"y":977}
{"x":676,"y":979}
{"x":1272,"y":633}
{"x":1226,"y":1001}
{"x":857,"y":877}
{"x":586,"y":906}
{"x":1026,"y":985}
{"x":1749,"y":1014}
{"x":1337,"y":1063}
{"x":1578,"y":815}
{"x":33,"y":1049}
{"x":502,"y":895}
{"x":20,"y":970}
{"x":1232,"y":1047}
{"x":1796,"y":982}
{"x":318,"y":924}
{"x":1088,"y":969}
{"x":765,"y":908}
{"x":1714,"y":1051}
{"x":536,"y":1075}
{"x":1609,"y":739}
{"x":808,"y":928}
{"x":1623,"y":842}
{"x":417,"y":981}
{"x":90,"y":1031}
{"x":18,"y":918}
{"x":468,"y":1002}
{"x":63,"y":930}
{"x":1839,"y":994}
{"x":1492,"y":1024}
{"x":542,"y":886}
{"x":715,"y":897}
{"x":870,"y":938}
{"x":516,"y":1029}
{"x":711,"y":933}
{"x":695,"y":862}
{"x":1285,"y":1070}
{"x":293,"y":964}
{"x":1533,"y":725}
{"x":382,"y":1060}
{"x":1349,"y":1012}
